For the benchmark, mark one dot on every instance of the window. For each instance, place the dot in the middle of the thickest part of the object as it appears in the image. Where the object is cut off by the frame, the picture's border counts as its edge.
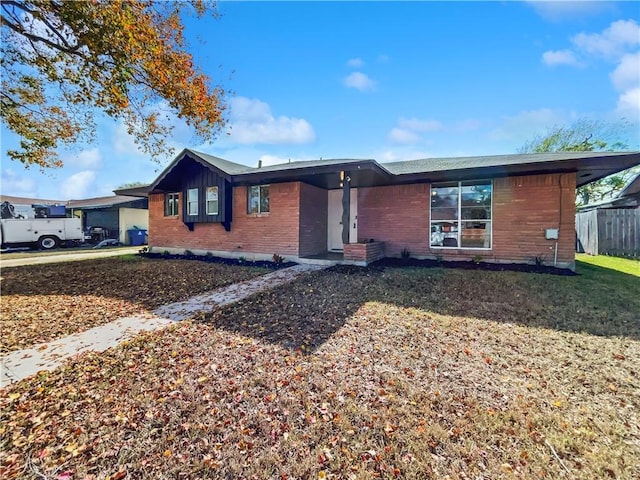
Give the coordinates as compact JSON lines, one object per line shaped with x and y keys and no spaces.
{"x":171,"y":205}
{"x":258,"y":201}
{"x":461,"y":214}
{"x":192,"y":201}
{"x":212,"y":200}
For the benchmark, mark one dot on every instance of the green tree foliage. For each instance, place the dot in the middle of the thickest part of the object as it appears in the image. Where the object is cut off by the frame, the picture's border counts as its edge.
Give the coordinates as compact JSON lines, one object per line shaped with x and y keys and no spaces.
{"x":63,"y":61}
{"x":586,"y":136}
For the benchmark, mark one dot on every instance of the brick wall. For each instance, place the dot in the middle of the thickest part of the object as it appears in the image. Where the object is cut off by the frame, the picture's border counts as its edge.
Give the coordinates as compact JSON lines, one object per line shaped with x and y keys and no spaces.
{"x":313,"y":220}
{"x":364,"y":252}
{"x":268,"y":233}
{"x":523,"y":207}
{"x":397,"y":216}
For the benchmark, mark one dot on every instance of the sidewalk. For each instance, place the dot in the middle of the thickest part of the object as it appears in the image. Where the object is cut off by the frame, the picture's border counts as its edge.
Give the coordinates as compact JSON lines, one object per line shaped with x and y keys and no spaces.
{"x":48,"y":356}
{"x":66,"y":257}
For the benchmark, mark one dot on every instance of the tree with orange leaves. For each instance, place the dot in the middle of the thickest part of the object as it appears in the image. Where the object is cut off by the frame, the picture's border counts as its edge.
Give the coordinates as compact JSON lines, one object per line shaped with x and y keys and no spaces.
{"x":62,"y":61}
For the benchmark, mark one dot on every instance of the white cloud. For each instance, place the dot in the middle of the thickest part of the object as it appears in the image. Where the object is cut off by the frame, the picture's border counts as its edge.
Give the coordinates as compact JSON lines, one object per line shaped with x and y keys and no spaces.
{"x":526,"y":124}
{"x":86,"y":159}
{"x":408,"y":130}
{"x":401,"y":135}
{"x":418,"y":125}
{"x":123,"y":142}
{"x":571,"y":9}
{"x":384,"y":58}
{"x":251,"y":121}
{"x":627,"y":74}
{"x":612,"y":42}
{"x":629,"y":104}
{"x":560,"y":57}
{"x":360,"y":81}
{"x":14,"y":184}
{"x":355,"y":63}
{"x":78,"y":185}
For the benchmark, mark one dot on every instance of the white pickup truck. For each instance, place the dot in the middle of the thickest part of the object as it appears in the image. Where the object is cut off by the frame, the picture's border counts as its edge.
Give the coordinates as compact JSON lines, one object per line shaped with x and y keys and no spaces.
{"x":43,"y":233}
{"x":42,"y":226}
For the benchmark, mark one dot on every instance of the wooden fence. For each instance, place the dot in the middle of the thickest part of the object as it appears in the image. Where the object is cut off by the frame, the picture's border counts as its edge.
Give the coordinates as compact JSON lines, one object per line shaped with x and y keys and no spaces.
{"x":609,"y":232}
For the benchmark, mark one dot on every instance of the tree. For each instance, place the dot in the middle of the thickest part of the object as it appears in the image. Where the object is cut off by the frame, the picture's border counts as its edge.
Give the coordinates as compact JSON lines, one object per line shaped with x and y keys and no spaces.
{"x":132,"y":185}
{"x":586,"y":136}
{"x":62,"y":61}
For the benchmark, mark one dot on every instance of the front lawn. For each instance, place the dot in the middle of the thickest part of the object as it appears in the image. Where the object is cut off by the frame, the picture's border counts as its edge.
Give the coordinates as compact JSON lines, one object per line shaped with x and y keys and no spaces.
{"x":41,"y":303}
{"x":624,"y":265}
{"x":355,"y":373}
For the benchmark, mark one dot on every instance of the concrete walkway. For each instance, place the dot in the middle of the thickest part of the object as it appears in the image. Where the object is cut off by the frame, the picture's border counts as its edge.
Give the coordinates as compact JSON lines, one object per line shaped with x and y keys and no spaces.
{"x":66,"y":257}
{"x":48,"y":356}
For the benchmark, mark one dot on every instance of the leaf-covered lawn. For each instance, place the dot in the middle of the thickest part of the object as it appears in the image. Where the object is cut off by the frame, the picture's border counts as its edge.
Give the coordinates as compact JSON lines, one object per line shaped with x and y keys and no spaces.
{"x":41,"y":303}
{"x":355,"y":373}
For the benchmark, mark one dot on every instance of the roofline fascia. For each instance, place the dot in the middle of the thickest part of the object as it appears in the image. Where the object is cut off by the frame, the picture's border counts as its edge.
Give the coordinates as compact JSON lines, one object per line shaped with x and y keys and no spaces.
{"x":296,"y":173}
{"x":184,"y":153}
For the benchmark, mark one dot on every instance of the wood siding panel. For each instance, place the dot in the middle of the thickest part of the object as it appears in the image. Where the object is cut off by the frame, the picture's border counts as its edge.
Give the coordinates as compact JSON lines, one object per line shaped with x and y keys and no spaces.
{"x":200,"y":177}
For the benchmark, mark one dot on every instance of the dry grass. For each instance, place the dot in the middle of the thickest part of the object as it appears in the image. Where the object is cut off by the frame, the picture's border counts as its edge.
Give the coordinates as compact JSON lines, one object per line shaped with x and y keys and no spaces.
{"x":41,"y":303}
{"x":352,"y":373}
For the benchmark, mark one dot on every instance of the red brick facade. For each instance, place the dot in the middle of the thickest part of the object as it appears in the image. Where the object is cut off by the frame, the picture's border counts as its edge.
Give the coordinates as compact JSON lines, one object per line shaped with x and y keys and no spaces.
{"x":283,"y":230}
{"x":523,"y":207}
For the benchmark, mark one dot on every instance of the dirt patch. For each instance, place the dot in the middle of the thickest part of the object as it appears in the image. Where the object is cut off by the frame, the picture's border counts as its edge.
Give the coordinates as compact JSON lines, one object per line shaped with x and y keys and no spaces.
{"x":470,"y":265}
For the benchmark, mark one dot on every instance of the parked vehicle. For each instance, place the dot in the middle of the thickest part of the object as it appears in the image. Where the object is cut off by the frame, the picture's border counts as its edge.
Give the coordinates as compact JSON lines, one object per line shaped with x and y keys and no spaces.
{"x":48,"y":230}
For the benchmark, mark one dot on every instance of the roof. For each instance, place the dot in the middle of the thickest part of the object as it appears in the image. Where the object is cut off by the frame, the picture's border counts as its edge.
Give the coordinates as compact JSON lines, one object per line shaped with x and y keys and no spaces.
{"x":627,"y":197}
{"x":588,"y":166}
{"x":99,"y":202}
{"x":30,"y":201}
{"x":460,"y":163}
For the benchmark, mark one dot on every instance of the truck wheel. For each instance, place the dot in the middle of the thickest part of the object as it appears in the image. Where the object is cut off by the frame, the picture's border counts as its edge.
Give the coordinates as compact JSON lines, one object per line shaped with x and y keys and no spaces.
{"x":48,"y":243}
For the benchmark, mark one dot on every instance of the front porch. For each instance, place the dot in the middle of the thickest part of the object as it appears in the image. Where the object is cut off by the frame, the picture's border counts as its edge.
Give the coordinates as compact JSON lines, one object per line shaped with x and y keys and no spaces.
{"x":361,"y":254}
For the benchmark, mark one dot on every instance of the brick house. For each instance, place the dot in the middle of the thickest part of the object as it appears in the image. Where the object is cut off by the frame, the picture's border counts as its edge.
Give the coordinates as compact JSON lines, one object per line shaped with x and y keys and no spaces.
{"x":508,"y":208}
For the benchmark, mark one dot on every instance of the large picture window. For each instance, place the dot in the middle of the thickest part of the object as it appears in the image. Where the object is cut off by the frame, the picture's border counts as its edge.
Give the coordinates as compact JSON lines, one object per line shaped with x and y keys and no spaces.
{"x":461,"y":214}
{"x":171,"y":205}
{"x":258,"y":201}
{"x":192,"y":201}
{"x":212,"y":200}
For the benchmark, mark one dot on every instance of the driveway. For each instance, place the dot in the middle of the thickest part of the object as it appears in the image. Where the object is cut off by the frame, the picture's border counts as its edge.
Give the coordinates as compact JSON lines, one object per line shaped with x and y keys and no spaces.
{"x":67,"y":257}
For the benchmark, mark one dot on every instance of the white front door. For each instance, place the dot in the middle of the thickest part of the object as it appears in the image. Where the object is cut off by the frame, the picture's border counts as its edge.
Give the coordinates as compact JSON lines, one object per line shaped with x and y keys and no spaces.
{"x":334,"y":220}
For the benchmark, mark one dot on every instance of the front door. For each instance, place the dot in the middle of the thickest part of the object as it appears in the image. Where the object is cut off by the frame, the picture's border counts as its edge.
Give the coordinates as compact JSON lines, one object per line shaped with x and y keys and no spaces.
{"x":334,"y":220}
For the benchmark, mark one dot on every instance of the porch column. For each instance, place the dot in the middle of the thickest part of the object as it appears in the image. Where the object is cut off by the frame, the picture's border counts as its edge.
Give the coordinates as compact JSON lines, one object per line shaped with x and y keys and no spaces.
{"x":346,"y":206}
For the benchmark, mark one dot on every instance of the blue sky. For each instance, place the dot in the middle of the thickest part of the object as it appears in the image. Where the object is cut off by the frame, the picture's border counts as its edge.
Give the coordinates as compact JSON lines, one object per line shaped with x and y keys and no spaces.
{"x":384,"y":80}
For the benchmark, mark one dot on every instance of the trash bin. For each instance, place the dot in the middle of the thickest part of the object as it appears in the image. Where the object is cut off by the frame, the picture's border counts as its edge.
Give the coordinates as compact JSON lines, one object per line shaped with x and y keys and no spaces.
{"x":137,"y":236}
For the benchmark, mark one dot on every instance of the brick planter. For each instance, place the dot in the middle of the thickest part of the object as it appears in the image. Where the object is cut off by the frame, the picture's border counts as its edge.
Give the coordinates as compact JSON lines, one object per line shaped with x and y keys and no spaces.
{"x":364,"y":252}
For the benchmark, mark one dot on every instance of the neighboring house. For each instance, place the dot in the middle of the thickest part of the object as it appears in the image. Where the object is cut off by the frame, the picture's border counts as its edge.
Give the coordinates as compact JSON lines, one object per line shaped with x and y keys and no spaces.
{"x":611,"y":227}
{"x":115,"y":215}
{"x":509,"y":208}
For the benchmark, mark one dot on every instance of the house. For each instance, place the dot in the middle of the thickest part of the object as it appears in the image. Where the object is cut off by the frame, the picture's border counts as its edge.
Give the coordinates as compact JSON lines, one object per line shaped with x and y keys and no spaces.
{"x":507,"y":208}
{"x":111,"y":216}
{"x":611,"y":227}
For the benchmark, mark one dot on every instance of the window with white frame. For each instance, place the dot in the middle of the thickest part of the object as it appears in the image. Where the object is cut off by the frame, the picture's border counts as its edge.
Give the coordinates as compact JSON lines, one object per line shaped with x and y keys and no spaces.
{"x":461,"y":214}
{"x":192,"y":201}
{"x":212,"y":200}
{"x":258,"y":199}
{"x":171,"y":205}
